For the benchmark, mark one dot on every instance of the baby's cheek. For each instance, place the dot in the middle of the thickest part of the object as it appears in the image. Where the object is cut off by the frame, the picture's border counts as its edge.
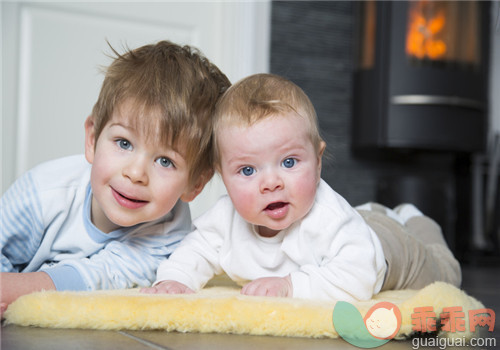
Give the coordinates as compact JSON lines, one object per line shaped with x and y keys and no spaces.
{"x":245,"y":208}
{"x":244,"y":202}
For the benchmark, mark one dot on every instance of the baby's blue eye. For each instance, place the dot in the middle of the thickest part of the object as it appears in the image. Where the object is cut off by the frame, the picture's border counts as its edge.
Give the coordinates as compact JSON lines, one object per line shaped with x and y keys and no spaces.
{"x":289,"y":162}
{"x":124,"y":144}
{"x":164,"y":162}
{"x":247,"y":171}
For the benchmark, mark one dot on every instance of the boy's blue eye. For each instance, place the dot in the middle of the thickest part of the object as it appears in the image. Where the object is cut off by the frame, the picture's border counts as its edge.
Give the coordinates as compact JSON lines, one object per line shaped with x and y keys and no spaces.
{"x":247,"y":171}
{"x":124,"y":144}
{"x":165,"y":162}
{"x":289,"y":162}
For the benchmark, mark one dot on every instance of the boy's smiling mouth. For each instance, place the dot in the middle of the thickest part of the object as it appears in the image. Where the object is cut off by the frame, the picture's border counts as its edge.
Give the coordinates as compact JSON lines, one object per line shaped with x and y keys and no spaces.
{"x":127,"y":202}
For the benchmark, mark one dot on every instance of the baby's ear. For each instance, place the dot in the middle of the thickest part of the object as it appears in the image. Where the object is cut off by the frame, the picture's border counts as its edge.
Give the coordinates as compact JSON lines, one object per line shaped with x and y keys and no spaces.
{"x":321,"y":150}
{"x":89,"y":139}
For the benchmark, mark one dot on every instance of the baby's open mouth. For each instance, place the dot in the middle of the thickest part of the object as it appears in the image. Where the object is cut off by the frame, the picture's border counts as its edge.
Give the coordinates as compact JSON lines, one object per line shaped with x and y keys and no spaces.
{"x":276,"y":205}
{"x":277,"y":210}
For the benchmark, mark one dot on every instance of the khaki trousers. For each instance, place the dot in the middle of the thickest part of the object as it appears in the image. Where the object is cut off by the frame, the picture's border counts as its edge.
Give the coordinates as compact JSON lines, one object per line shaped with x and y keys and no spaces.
{"x":416,"y":252}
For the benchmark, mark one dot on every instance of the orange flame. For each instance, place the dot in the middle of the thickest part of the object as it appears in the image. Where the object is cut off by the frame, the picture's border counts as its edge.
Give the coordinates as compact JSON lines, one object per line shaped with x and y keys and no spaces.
{"x":422,"y":38}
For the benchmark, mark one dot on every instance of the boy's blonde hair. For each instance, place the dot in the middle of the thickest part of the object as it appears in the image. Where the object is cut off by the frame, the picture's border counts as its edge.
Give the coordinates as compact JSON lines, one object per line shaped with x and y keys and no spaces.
{"x":261,"y":96}
{"x":176,"y":88}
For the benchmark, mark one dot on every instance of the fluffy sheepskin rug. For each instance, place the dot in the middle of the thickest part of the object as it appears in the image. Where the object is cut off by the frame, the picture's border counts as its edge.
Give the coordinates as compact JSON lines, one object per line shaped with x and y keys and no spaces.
{"x":222,"y":309}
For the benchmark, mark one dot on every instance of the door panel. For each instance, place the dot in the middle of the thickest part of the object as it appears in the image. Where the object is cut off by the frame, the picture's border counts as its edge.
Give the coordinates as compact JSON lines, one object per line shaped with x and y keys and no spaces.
{"x":52,"y":54}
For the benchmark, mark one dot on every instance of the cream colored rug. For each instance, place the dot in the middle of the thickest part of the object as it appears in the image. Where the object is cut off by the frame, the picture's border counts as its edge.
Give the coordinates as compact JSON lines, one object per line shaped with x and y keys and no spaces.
{"x":221,"y":309}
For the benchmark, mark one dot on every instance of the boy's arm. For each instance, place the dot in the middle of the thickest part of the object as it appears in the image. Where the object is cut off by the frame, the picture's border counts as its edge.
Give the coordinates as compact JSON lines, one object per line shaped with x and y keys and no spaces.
{"x":131,"y":261}
{"x":21,"y":224}
{"x":13,"y":284}
{"x":121,"y":264}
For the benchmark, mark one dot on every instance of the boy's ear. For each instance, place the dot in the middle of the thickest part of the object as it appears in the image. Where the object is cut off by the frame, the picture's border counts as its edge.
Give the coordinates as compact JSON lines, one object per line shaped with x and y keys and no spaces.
{"x":196,"y":190}
{"x":191,"y":195}
{"x":89,"y":139}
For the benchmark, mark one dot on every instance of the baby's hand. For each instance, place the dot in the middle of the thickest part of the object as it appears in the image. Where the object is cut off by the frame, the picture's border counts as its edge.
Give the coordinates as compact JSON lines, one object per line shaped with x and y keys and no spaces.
{"x":168,"y":287}
{"x":270,"y":286}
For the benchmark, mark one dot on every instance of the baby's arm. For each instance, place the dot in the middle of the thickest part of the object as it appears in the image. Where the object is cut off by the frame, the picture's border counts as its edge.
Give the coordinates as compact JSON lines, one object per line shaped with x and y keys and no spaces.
{"x":348,"y":265}
{"x":168,"y":287}
{"x":197,"y":258}
{"x":190,"y":266}
{"x":269,"y":286}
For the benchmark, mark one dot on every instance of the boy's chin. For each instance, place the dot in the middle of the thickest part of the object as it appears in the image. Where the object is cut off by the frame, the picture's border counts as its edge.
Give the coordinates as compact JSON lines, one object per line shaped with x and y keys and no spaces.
{"x":129,"y":222}
{"x":116,"y":223}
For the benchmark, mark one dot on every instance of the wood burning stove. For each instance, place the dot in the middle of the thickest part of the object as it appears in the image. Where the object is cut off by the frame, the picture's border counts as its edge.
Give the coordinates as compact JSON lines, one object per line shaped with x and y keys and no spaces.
{"x":421,"y":76}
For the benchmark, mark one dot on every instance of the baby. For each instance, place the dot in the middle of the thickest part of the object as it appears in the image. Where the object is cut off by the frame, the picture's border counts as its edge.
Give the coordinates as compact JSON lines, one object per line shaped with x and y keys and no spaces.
{"x":282,"y":231}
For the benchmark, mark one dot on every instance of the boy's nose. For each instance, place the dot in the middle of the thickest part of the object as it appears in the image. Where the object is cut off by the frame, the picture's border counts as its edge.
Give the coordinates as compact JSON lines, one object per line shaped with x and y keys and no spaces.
{"x":271,"y":182}
{"x":136,"y":171}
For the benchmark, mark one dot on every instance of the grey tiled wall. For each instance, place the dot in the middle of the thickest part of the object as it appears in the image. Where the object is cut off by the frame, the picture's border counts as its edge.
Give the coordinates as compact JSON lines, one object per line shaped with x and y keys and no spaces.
{"x":312,"y":43}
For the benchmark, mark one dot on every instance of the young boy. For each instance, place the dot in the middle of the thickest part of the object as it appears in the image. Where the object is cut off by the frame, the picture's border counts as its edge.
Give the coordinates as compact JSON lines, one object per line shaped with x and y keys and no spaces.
{"x":283,"y":231}
{"x":106,"y":220}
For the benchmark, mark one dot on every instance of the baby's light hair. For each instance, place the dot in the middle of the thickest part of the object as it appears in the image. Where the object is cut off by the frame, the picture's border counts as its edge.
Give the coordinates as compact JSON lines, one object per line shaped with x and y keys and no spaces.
{"x":174,"y":90}
{"x":262,"y":96}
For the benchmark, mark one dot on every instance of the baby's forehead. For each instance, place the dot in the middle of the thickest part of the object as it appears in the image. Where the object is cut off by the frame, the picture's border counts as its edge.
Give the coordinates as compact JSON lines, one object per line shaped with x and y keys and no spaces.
{"x":254,"y":121}
{"x":299,"y":126}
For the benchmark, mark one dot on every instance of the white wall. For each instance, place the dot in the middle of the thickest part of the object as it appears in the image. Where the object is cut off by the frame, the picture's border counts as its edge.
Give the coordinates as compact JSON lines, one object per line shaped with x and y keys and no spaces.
{"x":51,"y":53}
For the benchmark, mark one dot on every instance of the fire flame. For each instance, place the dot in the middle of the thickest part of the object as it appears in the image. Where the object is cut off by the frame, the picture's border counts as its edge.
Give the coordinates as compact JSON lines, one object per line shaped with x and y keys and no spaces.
{"x":422,"y":37}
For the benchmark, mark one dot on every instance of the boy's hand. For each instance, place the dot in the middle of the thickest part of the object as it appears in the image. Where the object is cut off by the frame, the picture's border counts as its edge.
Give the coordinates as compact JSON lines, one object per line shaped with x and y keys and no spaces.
{"x":270,"y":286}
{"x":168,"y":287}
{"x":3,"y":307}
{"x":13,"y":285}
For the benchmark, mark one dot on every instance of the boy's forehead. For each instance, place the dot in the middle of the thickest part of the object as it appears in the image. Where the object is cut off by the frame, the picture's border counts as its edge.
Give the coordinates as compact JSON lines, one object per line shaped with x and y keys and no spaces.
{"x":133,"y":110}
{"x":150,"y":123}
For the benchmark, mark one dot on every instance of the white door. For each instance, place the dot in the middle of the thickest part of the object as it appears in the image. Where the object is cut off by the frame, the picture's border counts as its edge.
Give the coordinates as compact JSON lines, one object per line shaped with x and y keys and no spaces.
{"x":52,"y":51}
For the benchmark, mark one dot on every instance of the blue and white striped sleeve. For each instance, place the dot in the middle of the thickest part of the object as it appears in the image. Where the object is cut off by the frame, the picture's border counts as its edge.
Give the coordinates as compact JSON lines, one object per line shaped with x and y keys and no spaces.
{"x":133,"y":261}
{"x":21,"y":224}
